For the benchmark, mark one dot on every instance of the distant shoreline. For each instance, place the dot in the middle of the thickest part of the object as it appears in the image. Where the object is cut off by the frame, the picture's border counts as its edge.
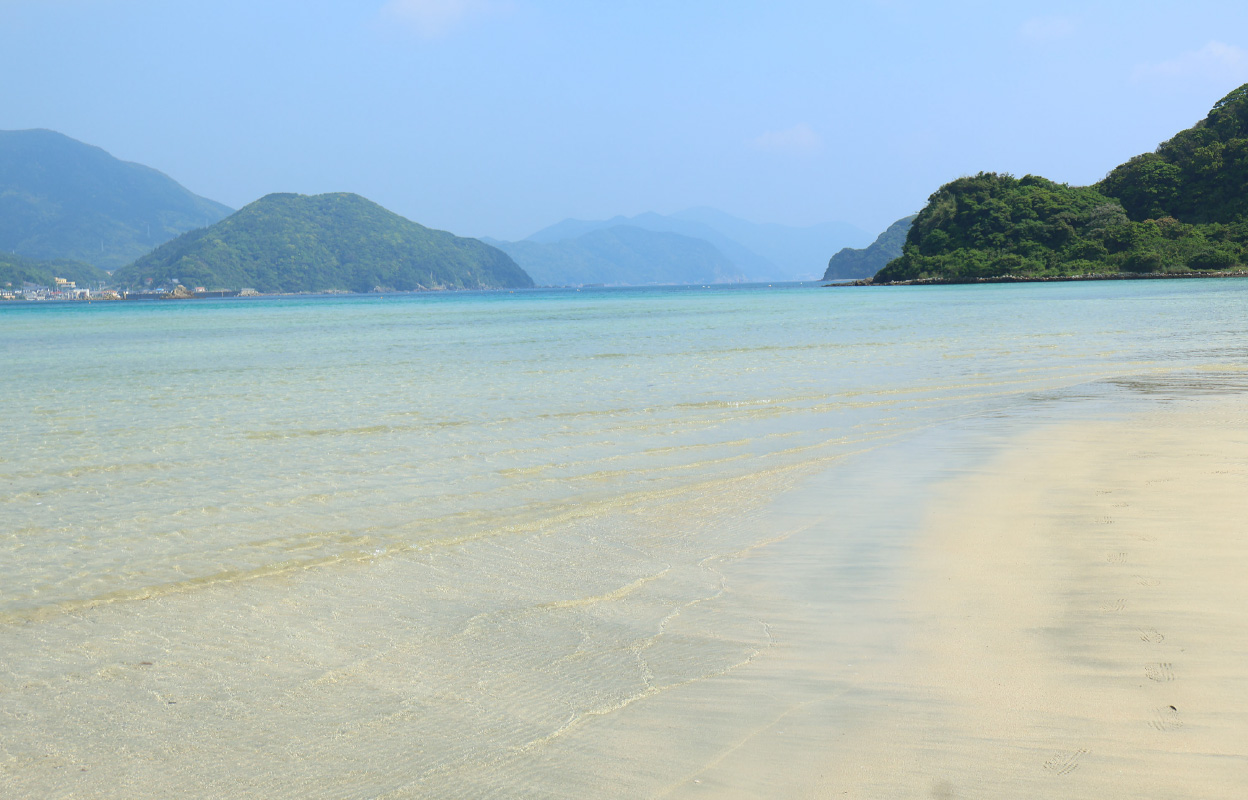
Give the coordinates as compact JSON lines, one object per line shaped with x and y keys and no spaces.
{"x":1100,"y":276}
{"x":216,"y":294}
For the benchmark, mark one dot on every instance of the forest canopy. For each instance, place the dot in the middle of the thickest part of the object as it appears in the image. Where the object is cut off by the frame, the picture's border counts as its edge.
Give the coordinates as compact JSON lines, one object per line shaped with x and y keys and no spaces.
{"x":1180,"y":209}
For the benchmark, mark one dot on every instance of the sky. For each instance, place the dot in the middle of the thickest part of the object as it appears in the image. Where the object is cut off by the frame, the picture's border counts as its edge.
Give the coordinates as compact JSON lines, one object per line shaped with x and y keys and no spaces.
{"x":500,"y":117}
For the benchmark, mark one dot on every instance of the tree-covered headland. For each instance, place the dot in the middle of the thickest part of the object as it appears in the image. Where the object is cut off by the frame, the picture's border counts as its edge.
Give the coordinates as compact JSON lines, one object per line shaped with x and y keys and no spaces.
{"x":1182,"y":209}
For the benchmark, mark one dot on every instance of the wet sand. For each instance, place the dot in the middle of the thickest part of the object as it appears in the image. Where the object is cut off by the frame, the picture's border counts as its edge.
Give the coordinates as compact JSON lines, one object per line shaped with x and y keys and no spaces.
{"x":702,"y":559}
{"x":1059,"y":613}
{"x":1070,"y":622}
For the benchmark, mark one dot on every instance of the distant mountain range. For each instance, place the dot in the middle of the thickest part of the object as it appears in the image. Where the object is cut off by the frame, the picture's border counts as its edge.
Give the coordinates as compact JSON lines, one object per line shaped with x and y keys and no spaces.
{"x":62,"y":199}
{"x":752,"y":251}
{"x":622,"y":255}
{"x":301,"y":243}
{"x":852,"y":264}
{"x":68,"y":209}
{"x":797,"y":253}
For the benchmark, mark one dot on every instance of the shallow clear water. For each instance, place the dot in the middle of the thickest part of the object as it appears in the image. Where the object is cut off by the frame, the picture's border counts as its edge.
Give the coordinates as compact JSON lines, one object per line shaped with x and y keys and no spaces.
{"x":404,"y":544}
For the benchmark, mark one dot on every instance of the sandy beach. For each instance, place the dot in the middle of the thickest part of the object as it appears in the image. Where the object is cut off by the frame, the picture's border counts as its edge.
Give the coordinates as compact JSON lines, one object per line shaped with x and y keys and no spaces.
{"x":1011,"y":571}
{"x":1075,"y":627}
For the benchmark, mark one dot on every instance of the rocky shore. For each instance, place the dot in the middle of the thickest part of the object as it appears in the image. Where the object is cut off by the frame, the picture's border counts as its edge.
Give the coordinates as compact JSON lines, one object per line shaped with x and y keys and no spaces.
{"x":1097,"y":276}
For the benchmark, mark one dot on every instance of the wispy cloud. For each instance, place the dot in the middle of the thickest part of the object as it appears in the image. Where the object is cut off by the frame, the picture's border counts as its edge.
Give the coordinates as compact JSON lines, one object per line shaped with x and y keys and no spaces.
{"x":432,"y":19}
{"x":798,"y":140}
{"x":1043,"y":30}
{"x":1215,"y":62}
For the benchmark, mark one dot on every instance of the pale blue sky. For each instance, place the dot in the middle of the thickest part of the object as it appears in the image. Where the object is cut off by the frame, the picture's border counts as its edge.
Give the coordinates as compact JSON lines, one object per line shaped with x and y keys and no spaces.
{"x":498,"y":117}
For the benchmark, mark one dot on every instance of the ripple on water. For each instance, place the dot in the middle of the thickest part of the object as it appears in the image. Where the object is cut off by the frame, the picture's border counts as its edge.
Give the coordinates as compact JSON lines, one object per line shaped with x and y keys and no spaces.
{"x":306,"y":546}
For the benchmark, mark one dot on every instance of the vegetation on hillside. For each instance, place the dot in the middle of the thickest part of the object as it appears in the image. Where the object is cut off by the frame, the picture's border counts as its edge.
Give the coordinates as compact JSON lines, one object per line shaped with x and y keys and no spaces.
{"x":17,"y":270}
{"x":1199,"y":176}
{"x":852,"y":263}
{"x":62,"y":199}
{"x":1181,"y":209}
{"x":301,"y":243}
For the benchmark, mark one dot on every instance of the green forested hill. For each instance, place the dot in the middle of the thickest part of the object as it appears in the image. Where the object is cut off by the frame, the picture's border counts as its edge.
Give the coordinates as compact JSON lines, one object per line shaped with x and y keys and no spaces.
{"x":852,"y":263}
{"x":301,"y":243}
{"x":1181,"y":209}
{"x":16,"y":270}
{"x":1199,"y":176}
{"x":62,"y":199}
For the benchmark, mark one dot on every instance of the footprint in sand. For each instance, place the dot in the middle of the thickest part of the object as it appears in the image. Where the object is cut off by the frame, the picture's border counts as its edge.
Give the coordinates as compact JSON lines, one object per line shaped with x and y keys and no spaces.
{"x":1105,"y":521}
{"x":1065,"y":762}
{"x":1151,"y":635}
{"x":1114,"y":606}
{"x":1166,"y":718}
{"x":1144,"y":580}
{"x":1116,"y":558}
{"x":1161,"y":672}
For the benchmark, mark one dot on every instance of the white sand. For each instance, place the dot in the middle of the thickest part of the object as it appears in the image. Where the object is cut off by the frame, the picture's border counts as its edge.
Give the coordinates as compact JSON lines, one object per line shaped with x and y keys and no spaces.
{"x":1070,"y":621}
{"x":1080,"y":609}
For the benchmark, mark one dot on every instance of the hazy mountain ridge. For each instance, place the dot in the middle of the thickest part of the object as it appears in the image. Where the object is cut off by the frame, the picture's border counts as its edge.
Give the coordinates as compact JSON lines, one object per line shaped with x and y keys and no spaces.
{"x":314,"y":243}
{"x":852,"y":263}
{"x":63,"y":199}
{"x":622,"y":254}
{"x":761,"y":252}
{"x":749,"y":263}
{"x":68,"y":203}
{"x":798,"y":252}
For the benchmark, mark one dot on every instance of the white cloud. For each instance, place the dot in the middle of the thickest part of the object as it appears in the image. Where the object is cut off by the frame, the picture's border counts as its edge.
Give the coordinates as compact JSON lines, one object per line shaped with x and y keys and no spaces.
{"x":433,"y":19}
{"x":798,"y":140}
{"x":1215,"y":62}
{"x":1043,"y":30}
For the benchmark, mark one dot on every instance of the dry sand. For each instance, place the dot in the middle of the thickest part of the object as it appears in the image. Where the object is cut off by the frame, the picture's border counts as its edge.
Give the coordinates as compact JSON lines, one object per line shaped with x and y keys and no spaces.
{"x":1077,"y":627}
{"x":1083,"y":610}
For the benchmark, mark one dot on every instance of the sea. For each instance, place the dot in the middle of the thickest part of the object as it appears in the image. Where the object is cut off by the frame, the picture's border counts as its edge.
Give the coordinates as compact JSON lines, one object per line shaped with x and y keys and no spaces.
{"x":541,"y":543}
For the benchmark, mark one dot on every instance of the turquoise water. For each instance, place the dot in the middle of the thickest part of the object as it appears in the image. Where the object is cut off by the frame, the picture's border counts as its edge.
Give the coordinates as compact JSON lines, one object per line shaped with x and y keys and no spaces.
{"x":473,"y":520}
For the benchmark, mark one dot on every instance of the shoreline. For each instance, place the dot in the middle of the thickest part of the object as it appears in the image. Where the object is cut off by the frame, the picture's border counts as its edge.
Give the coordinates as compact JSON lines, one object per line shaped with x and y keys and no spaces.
{"x":1098,"y":276}
{"x":1075,"y":607}
{"x":732,"y":629}
{"x":1080,"y":604}
{"x":1062,"y":619}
